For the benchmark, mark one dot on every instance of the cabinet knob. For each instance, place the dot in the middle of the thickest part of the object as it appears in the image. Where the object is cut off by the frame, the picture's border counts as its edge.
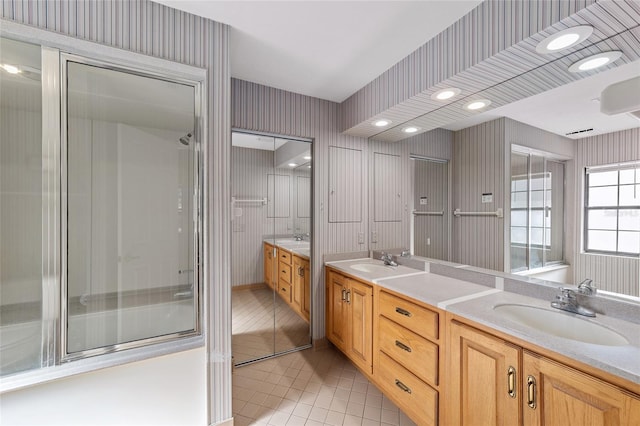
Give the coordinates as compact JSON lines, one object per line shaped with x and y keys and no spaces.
{"x":531,"y":392}
{"x":403,"y":312}
{"x":402,"y":386}
{"x":511,"y":382}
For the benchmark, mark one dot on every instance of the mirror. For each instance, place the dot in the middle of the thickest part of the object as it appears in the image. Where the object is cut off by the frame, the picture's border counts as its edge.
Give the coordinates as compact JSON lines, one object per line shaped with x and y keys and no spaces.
{"x":488,"y":153}
{"x":271,"y":245}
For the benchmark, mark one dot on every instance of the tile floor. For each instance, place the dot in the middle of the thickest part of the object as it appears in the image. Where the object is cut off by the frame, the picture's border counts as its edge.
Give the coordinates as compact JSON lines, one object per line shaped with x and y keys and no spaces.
{"x":256,"y":314}
{"x":310,"y":388}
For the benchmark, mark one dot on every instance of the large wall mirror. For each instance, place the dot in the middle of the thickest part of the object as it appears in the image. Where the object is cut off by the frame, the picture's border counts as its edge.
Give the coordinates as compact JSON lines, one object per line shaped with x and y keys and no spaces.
{"x":546,"y":187}
{"x":271,"y":245}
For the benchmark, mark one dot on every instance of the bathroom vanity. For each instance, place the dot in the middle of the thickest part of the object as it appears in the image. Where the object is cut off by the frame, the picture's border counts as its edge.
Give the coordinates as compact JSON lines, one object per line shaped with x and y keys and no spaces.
{"x":451,"y":351}
{"x":292,"y":279}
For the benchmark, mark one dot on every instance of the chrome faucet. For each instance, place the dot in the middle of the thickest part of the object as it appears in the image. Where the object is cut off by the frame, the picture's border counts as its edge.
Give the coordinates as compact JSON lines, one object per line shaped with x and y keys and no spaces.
{"x":568,"y":301}
{"x":586,"y":288}
{"x":388,"y":260}
{"x":298,"y":237}
{"x":405,"y":253}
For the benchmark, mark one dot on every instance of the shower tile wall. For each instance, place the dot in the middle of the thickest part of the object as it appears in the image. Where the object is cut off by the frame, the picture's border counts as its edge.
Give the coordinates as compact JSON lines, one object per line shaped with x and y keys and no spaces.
{"x":152,"y":29}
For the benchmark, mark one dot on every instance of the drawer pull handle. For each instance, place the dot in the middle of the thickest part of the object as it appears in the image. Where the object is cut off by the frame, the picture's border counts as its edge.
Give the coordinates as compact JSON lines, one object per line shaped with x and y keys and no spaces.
{"x":511,"y":382}
{"x":403,"y":312}
{"x":402,"y":386}
{"x":284,"y":289}
{"x":349,"y":297}
{"x":403,"y":346}
{"x":531,"y":392}
{"x":344,"y":295}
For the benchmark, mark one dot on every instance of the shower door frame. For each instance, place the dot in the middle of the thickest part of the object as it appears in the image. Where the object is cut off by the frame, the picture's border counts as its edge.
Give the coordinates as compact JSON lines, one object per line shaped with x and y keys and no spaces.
{"x":53,"y":46}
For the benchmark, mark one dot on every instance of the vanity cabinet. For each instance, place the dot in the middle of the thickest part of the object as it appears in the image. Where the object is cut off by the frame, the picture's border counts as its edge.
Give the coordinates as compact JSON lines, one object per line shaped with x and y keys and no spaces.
{"x":284,"y":275}
{"x":350,"y":318}
{"x":406,"y":361}
{"x":504,"y":384}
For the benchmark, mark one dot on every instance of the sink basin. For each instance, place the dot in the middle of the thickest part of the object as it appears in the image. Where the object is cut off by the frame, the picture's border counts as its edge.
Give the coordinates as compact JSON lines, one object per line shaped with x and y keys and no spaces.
{"x":371,"y":267}
{"x":561,"y":324}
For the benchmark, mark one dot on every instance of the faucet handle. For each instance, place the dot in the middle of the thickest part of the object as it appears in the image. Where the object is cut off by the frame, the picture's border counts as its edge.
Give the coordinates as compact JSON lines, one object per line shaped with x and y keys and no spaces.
{"x":586,"y":287}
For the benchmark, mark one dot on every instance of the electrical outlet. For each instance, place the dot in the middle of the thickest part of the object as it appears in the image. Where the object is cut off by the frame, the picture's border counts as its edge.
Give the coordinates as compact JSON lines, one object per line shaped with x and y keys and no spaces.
{"x":360,"y":237}
{"x":428,"y":241}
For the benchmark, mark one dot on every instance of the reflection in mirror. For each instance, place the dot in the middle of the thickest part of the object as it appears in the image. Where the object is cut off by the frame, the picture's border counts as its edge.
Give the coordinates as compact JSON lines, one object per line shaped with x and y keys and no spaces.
{"x":554,"y":203}
{"x":271,"y":239}
{"x":430,"y":203}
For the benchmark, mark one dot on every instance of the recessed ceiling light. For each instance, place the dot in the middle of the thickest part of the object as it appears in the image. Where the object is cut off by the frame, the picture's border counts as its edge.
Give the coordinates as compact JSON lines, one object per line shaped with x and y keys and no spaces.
{"x":11,"y":69}
{"x":307,"y":157}
{"x":410,"y":129}
{"x":444,"y":94}
{"x":308,"y":167}
{"x":564,"y":39}
{"x":477,"y":104}
{"x":292,"y":164}
{"x":381,"y":123}
{"x":595,"y":61}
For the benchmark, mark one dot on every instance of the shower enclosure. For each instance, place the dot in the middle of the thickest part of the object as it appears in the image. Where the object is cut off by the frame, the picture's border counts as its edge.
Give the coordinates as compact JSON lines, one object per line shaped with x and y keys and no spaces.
{"x":101,"y":229}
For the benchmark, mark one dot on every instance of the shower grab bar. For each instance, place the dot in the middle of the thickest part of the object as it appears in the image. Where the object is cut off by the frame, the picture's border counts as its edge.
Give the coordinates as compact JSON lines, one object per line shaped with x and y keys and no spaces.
{"x":248,"y":200}
{"x":497,"y":213}
{"x":419,"y":213}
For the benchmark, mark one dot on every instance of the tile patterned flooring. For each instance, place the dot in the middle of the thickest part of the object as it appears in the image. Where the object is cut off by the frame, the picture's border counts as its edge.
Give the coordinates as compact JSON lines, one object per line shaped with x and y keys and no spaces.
{"x":310,"y":388}
{"x":254,"y":320}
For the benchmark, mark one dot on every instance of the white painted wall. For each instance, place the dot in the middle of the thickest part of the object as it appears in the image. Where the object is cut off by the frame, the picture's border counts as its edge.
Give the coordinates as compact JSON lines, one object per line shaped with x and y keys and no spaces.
{"x":168,"y":390}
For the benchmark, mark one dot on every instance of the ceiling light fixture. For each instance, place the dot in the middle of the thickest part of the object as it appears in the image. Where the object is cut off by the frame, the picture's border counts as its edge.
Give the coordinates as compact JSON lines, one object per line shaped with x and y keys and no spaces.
{"x":564,"y":39}
{"x":292,"y":164}
{"x":381,"y":123}
{"x":410,"y":129}
{"x":11,"y":69}
{"x":307,"y":157}
{"x":595,"y":61}
{"x":477,"y":104}
{"x":444,"y":94}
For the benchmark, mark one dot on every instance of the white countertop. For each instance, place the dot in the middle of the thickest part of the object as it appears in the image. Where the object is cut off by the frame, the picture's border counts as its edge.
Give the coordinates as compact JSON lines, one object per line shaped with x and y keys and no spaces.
{"x":476,"y":302}
{"x":301,"y":248}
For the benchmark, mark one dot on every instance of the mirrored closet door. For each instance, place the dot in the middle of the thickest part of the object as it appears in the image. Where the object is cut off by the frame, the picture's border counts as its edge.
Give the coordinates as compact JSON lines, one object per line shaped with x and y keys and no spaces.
{"x":271,"y":239}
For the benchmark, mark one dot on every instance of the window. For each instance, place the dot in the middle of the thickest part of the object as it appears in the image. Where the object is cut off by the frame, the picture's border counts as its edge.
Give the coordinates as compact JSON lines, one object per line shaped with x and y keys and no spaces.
{"x":537,"y":211}
{"x":612,"y":210}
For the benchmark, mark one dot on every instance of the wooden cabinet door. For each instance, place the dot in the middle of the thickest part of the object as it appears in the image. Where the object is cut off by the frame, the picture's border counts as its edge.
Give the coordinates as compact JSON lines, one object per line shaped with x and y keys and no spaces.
{"x":297,"y":283}
{"x":306,"y":290}
{"x":337,"y":318}
{"x":268,"y":264}
{"x":555,"y":394}
{"x":483,"y":371}
{"x":360,"y":301}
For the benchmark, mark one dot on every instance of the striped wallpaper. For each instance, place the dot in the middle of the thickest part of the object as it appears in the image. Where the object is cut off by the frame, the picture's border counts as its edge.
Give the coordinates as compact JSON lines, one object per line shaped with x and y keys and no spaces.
{"x":478,"y":168}
{"x":148,"y":28}
{"x":611,"y":273}
{"x":477,"y":63}
{"x":263,"y":109}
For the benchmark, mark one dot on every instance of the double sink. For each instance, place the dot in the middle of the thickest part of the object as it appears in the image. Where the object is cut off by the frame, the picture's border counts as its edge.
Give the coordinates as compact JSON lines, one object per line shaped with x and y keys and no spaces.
{"x":557,"y":323}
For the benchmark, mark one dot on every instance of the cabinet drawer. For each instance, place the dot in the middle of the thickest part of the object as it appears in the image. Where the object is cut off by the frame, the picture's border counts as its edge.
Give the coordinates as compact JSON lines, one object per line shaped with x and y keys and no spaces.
{"x":284,"y":272}
{"x":409,"y":349}
{"x":420,"y":320}
{"x":411,"y":394}
{"x":284,"y":256}
{"x":285,"y":291}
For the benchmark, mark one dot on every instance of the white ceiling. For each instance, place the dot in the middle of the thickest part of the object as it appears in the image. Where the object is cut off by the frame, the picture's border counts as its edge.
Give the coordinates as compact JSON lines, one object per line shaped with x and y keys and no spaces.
{"x":324,"y":49}
{"x":568,"y":108}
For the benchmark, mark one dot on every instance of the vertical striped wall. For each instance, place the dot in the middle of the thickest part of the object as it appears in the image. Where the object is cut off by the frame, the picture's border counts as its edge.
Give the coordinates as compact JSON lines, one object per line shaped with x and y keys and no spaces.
{"x":148,"y":28}
{"x":611,"y":273}
{"x":478,"y":168}
{"x":484,"y":32}
{"x":264,"y":109}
